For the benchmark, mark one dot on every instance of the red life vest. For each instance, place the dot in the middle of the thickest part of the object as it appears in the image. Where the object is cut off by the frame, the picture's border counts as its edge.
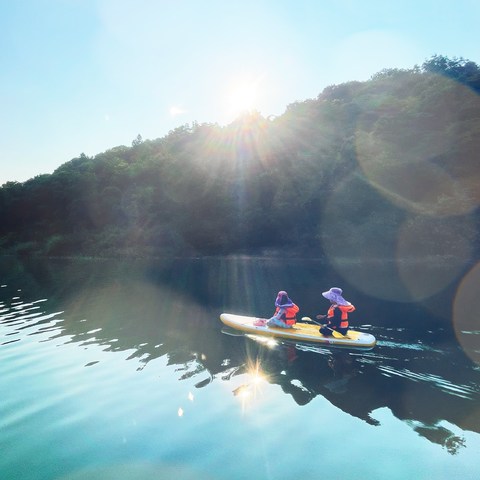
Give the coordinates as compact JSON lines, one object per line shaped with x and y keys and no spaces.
{"x":345,"y":309}
{"x":289,"y":317}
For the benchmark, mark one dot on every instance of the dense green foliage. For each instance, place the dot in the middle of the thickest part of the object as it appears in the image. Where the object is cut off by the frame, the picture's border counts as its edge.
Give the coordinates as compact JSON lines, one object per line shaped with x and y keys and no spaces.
{"x":394,"y":157}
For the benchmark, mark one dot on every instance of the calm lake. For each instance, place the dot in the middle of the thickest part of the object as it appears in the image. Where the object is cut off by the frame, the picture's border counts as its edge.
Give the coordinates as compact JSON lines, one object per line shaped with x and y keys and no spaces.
{"x":122,"y":370}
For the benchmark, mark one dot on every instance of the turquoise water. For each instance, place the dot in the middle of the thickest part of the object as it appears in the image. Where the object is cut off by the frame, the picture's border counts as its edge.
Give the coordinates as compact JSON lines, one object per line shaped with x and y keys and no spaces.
{"x":115,"y":370}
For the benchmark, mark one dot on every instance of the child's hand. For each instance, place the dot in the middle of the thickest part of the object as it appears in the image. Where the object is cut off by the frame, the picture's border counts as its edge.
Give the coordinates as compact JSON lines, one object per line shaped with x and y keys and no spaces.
{"x":320,"y":317}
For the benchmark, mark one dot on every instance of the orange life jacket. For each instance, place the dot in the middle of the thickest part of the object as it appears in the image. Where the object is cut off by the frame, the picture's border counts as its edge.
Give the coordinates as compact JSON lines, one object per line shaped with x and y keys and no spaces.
{"x":345,"y":309}
{"x":289,"y":317}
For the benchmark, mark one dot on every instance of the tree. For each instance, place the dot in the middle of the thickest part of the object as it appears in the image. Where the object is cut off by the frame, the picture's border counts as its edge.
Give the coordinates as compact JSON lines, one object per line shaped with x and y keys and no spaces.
{"x":137,"y":141}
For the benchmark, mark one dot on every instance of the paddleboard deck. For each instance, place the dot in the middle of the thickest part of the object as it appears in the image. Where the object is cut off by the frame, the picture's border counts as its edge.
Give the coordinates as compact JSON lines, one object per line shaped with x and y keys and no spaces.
{"x":301,"y":332}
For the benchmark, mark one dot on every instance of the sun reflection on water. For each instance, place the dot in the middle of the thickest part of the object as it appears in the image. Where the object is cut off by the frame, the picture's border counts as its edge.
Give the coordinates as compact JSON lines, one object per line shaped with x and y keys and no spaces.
{"x":251,"y":390}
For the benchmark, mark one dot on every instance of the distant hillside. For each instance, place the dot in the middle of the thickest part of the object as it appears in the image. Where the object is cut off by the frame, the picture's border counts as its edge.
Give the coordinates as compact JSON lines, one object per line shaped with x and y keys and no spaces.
{"x":393,"y":158}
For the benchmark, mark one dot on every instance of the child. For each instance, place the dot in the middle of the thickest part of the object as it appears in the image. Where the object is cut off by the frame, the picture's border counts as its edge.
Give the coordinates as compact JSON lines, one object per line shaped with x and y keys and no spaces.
{"x":285,"y":312}
{"x":337,"y":316}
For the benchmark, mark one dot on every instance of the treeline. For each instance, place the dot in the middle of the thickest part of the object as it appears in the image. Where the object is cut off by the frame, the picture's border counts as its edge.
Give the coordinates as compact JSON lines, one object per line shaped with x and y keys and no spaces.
{"x":371,"y":155}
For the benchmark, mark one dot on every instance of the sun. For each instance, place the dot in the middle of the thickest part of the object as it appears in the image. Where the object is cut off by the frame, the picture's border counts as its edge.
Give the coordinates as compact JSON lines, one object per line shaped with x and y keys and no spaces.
{"x":242,"y":96}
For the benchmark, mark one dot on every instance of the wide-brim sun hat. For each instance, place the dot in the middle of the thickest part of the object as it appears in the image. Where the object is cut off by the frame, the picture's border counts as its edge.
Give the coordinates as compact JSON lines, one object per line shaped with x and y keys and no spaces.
{"x":335,"y":295}
{"x":283,"y":295}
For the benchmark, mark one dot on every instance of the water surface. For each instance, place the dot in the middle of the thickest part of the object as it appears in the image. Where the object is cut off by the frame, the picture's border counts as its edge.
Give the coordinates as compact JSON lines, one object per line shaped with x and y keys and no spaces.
{"x":123,"y":370}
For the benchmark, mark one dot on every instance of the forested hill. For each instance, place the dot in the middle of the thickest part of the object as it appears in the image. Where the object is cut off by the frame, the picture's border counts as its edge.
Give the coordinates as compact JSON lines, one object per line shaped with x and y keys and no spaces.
{"x":384,"y":167}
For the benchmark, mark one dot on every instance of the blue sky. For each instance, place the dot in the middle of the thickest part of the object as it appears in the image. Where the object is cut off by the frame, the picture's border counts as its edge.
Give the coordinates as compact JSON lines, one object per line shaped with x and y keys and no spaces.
{"x":83,"y":76}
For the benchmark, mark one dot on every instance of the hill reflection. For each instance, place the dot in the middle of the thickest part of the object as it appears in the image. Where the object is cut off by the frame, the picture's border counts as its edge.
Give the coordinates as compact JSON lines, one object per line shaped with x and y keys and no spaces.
{"x":429,"y":395}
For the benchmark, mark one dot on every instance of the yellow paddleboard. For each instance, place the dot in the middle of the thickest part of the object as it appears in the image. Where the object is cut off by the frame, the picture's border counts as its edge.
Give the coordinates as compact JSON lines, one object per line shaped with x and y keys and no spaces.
{"x":300,"y":332}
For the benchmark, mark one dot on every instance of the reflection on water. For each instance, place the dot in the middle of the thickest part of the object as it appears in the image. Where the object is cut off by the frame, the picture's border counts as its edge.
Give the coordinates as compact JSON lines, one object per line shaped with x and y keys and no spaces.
{"x":416,"y":382}
{"x":104,"y":359}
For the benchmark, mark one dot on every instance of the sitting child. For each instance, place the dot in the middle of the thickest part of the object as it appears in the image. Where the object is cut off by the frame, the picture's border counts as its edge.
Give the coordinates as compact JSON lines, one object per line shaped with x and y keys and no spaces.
{"x":285,"y":312}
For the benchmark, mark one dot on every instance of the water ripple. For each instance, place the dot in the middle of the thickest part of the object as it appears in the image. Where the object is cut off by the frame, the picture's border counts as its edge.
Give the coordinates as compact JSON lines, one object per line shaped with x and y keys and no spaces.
{"x":463,"y":391}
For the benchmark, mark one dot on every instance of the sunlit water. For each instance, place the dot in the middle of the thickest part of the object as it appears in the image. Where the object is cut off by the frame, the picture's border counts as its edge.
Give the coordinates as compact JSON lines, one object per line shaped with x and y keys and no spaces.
{"x":114,"y":370}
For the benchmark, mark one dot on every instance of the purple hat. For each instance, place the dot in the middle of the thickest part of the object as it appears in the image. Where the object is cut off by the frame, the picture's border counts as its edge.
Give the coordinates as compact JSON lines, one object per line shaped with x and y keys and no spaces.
{"x":335,"y":295}
{"x":283,"y":300}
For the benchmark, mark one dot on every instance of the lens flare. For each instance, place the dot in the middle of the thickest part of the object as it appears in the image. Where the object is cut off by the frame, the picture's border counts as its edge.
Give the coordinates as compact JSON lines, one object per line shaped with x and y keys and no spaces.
{"x":430,"y":168}
{"x":441,"y":249}
{"x":361,"y":246}
{"x":388,"y":253}
{"x":465,"y":315}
